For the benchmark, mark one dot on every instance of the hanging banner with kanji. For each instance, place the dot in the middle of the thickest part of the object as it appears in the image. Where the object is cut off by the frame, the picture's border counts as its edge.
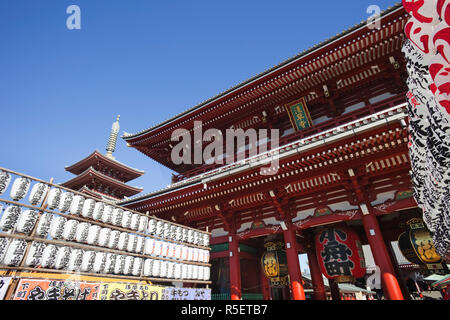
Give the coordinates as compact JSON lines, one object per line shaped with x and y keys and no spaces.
{"x":130,"y":291}
{"x":4,"y":284}
{"x":37,"y":289}
{"x":299,"y":114}
{"x":171,"y":293}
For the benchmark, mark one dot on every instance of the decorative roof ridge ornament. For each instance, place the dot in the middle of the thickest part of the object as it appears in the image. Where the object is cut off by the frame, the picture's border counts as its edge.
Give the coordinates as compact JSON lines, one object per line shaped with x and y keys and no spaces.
{"x":112,"y":141}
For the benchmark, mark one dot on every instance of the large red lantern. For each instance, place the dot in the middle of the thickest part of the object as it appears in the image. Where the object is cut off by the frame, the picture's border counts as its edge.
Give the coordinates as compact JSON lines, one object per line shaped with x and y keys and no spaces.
{"x":339,"y":253}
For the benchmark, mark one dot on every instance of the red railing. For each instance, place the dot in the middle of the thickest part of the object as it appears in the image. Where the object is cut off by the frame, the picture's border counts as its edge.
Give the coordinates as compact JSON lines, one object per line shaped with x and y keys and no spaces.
{"x":326,"y":125}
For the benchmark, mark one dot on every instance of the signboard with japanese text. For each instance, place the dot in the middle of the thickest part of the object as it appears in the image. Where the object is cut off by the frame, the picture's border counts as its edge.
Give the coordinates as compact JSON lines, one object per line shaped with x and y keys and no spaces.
{"x":299,"y":114}
{"x":171,"y":293}
{"x":4,"y":284}
{"x":40,"y":289}
{"x":130,"y":291}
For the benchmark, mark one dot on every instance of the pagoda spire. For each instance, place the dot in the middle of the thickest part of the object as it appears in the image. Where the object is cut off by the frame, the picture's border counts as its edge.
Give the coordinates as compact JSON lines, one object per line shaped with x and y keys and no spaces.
{"x":111,"y":147}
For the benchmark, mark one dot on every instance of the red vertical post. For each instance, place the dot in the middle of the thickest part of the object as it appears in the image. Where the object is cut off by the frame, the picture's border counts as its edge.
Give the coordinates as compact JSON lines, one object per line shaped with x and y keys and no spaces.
{"x":235,"y":268}
{"x":264,"y":283}
{"x":316,"y":275}
{"x":389,"y":282}
{"x":290,"y":240}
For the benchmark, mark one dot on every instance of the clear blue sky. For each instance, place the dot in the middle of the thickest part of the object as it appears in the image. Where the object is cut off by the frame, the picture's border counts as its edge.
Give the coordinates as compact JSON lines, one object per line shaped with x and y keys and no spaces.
{"x":146,"y":60}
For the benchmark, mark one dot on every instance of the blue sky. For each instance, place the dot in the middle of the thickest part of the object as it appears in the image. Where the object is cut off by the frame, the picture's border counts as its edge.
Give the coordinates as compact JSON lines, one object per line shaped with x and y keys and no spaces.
{"x":60,"y":89}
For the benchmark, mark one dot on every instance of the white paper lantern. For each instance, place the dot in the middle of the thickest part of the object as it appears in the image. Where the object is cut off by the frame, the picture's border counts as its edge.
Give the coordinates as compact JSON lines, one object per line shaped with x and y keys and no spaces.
{"x":123,"y":241}
{"x":99,"y":262}
{"x":20,"y":188}
{"x":190,"y":271}
{"x":190,"y":256}
{"x":38,"y":193}
{"x":139,"y":245}
{"x":70,"y":229}
{"x":195,"y":254}
{"x":128,"y":269}
{"x":166,"y":231}
{"x":49,"y":256}
{"x":66,"y":201}
{"x":117,"y":217}
{"x":195,"y":272}
{"x":126,"y":219}
{"x":148,"y":266}
{"x":184,"y":271}
{"x":82,"y":232}
{"x":93,"y":234}
{"x":110,"y":263}
{"x":107,"y":214}
{"x":190,"y":238}
{"x":132,"y":243}
{"x":34,"y":256}
{"x":87,"y":263}
{"x":99,"y":208}
{"x":177,"y":271}
{"x":57,"y":227}
{"x":170,"y":270}
{"x":88,"y":208}
{"x":143,"y":220}
{"x":9,"y":218}
{"x":4,"y":243}
{"x":206,"y":273}
{"x":149,"y":247}
{"x":158,"y":248}
{"x":62,"y":257}
{"x":171,"y":250}
{"x":119,"y":267}
{"x":163,"y":269}
{"x":54,"y":198}
{"x":164,"y":248}
{"x":5,"y":179}
{"x":134,"y":225}
{"x":200,"y":273}
{"x":152,"y":226}
{"x":177,"y":253}
{"x":75,"y":260}
{"x":156,"y":268}
{"x":114,"y":239}
{"x":77,"y":205}
{"x":159,"y":228}
{"x":137,"y":266}
{"x":104,"y":236}
{"x":178,"y":233}
{"x":44,"y":224}
{"x":184,"y":253}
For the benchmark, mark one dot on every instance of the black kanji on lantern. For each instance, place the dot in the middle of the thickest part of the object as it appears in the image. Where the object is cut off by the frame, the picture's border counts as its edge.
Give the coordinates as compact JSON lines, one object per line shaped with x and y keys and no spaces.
{"x":336,"y":254}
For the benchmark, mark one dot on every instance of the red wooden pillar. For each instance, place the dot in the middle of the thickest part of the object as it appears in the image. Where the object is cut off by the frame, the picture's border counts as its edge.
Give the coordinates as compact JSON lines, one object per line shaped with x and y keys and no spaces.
{"x":389,"y":282}
{"x":264,"y":284}
{"x":290,"y":240}
{"x":316,"y":275}
{"x":235,"y":268}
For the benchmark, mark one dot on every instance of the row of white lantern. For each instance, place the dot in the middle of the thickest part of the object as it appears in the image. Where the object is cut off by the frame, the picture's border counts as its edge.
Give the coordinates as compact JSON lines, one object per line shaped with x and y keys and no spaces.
{"x":68,"y":202}
{"x":427,"y":53}
{"x":61,"y":228}
{"x":50,"y":256}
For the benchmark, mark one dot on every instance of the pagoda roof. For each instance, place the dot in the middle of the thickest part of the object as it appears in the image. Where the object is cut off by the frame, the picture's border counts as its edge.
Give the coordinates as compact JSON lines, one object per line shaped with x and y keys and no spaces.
{"x":97,"y":194}
{"x":86,"y":176}
{"x":129,"y":173}
{"x":274,"y":72}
